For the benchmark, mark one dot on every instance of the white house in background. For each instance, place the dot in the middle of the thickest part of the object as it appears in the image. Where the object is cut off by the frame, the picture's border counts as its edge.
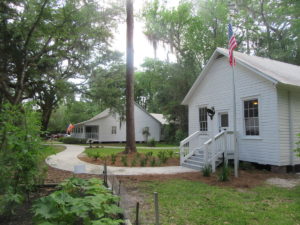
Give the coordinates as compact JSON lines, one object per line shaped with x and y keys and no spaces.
{"x":267,"y":112}
{"x":108,"y":127}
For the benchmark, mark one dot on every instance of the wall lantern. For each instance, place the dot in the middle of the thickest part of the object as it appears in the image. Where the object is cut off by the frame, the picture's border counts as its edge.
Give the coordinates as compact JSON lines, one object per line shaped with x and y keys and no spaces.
{"x":211,"y":112}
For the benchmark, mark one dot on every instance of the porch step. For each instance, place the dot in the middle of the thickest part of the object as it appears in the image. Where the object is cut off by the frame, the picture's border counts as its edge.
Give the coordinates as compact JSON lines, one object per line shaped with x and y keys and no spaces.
{"x":194,"y":162}
{"x":195,"y":167}
{"x":197,"y":157}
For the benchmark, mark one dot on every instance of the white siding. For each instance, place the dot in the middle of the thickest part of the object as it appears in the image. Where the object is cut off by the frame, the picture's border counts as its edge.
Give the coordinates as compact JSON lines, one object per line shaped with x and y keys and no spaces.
{"x":142,"y":119}
{"x":216,"y":90}
{"x":287,"y":143}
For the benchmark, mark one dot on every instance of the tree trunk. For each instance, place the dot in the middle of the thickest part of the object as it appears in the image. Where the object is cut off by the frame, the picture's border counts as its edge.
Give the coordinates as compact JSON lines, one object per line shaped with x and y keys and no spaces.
{"x":130,"y":130}
{"x":46,"y":114}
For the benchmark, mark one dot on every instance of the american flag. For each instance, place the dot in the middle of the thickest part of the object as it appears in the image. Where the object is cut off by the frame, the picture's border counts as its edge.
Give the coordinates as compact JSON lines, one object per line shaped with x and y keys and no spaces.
{"x":232,"y":45}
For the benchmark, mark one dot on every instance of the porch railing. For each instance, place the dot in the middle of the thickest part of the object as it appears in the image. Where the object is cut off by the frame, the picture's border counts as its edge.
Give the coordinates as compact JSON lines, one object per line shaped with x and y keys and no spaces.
{"x":213,"y":148}
{"x":92,"y":135}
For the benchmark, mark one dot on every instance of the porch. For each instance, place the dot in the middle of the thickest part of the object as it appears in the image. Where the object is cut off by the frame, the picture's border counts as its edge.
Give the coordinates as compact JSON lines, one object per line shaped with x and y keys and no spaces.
{"x":196,"y":152}
{"x":86,"y":132}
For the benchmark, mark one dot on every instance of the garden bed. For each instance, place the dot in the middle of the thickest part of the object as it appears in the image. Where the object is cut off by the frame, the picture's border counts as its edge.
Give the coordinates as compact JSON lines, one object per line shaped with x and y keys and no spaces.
{"x":143,"y":158}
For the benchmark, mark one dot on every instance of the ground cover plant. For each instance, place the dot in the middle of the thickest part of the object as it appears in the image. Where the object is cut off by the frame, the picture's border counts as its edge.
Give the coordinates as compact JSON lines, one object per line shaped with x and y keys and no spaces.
{"x":78,"y":201}
{"x":144,"y":157}
{"x":199,"y":203}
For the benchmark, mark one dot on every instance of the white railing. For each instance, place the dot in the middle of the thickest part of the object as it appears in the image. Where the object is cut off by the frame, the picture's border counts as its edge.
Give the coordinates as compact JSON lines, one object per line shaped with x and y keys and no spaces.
{"x":213,"y":148}
{"x":92,"y":135}
{"x":186,"y":149}
{"x":216,"y":146}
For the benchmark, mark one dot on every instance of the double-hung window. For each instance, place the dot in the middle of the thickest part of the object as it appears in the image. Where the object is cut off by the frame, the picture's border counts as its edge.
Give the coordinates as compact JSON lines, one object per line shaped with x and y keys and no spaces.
{"x":113,"y":130}
{"x":251,"y":117}
{"x":203,"y":119}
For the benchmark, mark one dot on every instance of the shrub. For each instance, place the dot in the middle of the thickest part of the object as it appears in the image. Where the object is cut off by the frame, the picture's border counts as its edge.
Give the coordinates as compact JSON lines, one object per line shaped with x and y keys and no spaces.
{"x":138,"y":155}
{"x":207,"y":170}
{"x":20,"y":154}
{"x":162,"y":156}
{"x":78,"y":202}
{"x":113,"y":158}
{"x":124,"y":159}
{"x":153,"y":162}
{"x":224,"y":173}
{"x":149,"y":154}
{"x":133,"y":162}
{"x":143,"y":162}
{"x":93,"y":154}
{"x":151,"y":142}
{"x":170,"y":153}
{"x":72,"y":140}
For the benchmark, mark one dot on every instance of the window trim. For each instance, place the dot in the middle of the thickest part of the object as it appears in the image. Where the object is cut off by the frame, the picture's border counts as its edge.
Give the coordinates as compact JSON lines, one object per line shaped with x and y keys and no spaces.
{"x":113,"y":131}
{"x":253,"y":137}
{"x":198,"y":112}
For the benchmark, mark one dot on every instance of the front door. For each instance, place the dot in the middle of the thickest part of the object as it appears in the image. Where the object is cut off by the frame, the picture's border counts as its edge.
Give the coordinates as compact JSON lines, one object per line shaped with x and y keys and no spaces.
{"x":223,"y":121}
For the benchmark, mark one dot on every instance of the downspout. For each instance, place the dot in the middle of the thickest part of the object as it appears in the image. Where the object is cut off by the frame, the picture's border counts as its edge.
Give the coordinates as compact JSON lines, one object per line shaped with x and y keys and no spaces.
{"x":291,"y":133}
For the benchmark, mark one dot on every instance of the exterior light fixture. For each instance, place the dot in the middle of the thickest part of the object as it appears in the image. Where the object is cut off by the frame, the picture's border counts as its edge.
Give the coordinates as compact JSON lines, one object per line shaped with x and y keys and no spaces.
{"x":211,"y":112}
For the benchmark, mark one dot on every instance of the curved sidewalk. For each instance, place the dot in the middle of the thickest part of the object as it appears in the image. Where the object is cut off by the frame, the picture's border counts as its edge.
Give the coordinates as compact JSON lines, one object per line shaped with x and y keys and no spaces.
{"x":67,"y":160}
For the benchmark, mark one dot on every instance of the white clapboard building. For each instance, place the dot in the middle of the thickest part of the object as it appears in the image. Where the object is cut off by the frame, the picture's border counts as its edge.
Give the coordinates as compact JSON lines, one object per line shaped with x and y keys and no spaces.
{"x":267,"y":112}
{"x":109,"y":127}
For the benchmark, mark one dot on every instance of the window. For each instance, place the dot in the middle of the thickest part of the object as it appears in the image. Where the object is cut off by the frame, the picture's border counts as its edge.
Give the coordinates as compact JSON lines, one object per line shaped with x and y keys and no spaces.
{"x":224,"y":120}
{"x":251,"y":117}
{"x":113,"y":129}
{"x":203,"y":119}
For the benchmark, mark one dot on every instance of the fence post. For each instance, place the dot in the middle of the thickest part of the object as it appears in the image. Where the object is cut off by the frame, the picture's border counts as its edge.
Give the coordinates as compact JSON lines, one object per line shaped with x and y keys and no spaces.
{"x":137,"y":213}
{"x":119,"y":192}
{"x":105,"y":175}
{"x":156,"y":208}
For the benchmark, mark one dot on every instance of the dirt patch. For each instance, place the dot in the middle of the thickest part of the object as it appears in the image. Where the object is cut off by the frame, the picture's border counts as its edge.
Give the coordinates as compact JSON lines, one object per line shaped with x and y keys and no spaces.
{"x":284,"y":183}
{"x":133,"y":160}
{"x":246,"y":179}
{"x":56,"y":176}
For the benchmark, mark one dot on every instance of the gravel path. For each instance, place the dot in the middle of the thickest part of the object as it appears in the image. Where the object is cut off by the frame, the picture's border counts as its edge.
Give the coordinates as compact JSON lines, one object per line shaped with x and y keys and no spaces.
{"x":67,"y":160}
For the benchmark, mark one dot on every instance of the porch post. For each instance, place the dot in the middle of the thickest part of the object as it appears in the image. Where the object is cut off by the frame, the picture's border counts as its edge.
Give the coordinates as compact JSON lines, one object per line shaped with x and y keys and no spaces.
{"x":213,"y":147}
{"x":226,"y":147}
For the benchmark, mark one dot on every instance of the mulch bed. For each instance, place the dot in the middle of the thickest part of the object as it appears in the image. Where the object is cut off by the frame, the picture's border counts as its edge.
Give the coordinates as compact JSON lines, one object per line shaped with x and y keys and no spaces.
{"x":130,"y":158}
{"x":246,"y":179}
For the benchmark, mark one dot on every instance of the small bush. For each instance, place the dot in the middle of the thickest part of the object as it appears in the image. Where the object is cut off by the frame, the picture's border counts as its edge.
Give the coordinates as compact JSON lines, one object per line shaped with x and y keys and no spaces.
{"x":151,"y":142}
{"x":113,"y":158}
{"x":138,"y":155}
{"x":133,"y":162}
{"x":162,"y":157}
{"x":170,"y":153}
{"x":207,"y":170}
{"x":143,"y":162}
{"x":149,"y":154}
{"x":72,"y":140}
{"x":224,"y":173}
{"x":78,"y":201}
{"x":298,"y":146}
{"x":93,"y":154}
{"x":124,"y":159}
{"x":153,"y":162}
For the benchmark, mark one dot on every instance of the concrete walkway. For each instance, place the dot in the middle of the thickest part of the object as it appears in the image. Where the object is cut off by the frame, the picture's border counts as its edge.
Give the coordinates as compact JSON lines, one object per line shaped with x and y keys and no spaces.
{"x":67,"y":160}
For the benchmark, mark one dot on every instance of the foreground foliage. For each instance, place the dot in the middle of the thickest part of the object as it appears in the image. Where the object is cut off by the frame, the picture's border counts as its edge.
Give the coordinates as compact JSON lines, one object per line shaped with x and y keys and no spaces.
{"x":198,"y":203}
{"x":78,"y":201}
{"x":20,"y":156}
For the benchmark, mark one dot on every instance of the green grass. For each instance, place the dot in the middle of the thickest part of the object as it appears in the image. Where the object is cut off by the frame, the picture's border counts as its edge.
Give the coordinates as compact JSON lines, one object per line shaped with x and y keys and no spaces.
{"x":108,"y":151}
{"x":48,"y":150}
{"x":184,"y":202}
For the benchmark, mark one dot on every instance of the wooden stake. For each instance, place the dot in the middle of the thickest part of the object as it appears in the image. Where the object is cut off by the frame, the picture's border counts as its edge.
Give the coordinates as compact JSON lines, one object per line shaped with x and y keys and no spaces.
{"x":156,"y":208}
{"x":137,"y":213}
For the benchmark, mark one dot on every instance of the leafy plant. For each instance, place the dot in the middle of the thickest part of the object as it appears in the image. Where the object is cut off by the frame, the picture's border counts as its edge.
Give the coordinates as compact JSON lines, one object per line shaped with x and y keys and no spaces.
{"x":133,"y":162}
{"x":207,"y":170}
{"x":78,"y":201}
{"x":162,"y":156}
{"x":143,"y":162}
{"x":170,"y":153}
{"x":72,"y":140}
{"x":153,"y":162}
{"x":21,"y":160}
{"x":149,"y":154}
{"x":113,"y":158}
{"x":93,"y":154}
{"x":151,"y":142}
{"x":124,"y":159}
{"x":224,"y":173}
{"x":138,"y":155}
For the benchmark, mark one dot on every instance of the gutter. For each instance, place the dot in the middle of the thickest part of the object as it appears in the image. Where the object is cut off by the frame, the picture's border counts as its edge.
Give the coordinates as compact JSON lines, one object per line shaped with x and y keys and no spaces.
{"x":291,"y":134}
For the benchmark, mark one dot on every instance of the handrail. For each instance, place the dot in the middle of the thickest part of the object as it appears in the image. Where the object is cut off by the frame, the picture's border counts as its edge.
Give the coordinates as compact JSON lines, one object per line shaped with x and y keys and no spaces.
{"x":187,"y":139}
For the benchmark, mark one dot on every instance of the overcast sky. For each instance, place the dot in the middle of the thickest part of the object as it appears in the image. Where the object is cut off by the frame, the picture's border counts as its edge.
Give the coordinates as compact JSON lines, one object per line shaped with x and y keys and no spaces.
{"x":142,"y":47}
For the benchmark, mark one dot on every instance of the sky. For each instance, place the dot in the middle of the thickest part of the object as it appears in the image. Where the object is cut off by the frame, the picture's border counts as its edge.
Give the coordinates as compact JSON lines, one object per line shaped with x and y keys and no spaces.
{"x":142,"y":47}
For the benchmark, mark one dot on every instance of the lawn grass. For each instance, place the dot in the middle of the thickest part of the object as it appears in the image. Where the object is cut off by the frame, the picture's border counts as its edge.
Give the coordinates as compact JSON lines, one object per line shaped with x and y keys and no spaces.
{"x":183,"y":202}
{"x":109,"y":151}
{"x":48,"y":150}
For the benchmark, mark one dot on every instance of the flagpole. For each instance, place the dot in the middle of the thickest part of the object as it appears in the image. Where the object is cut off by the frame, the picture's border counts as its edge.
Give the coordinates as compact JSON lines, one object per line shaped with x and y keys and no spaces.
{"x":235,"y":149}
